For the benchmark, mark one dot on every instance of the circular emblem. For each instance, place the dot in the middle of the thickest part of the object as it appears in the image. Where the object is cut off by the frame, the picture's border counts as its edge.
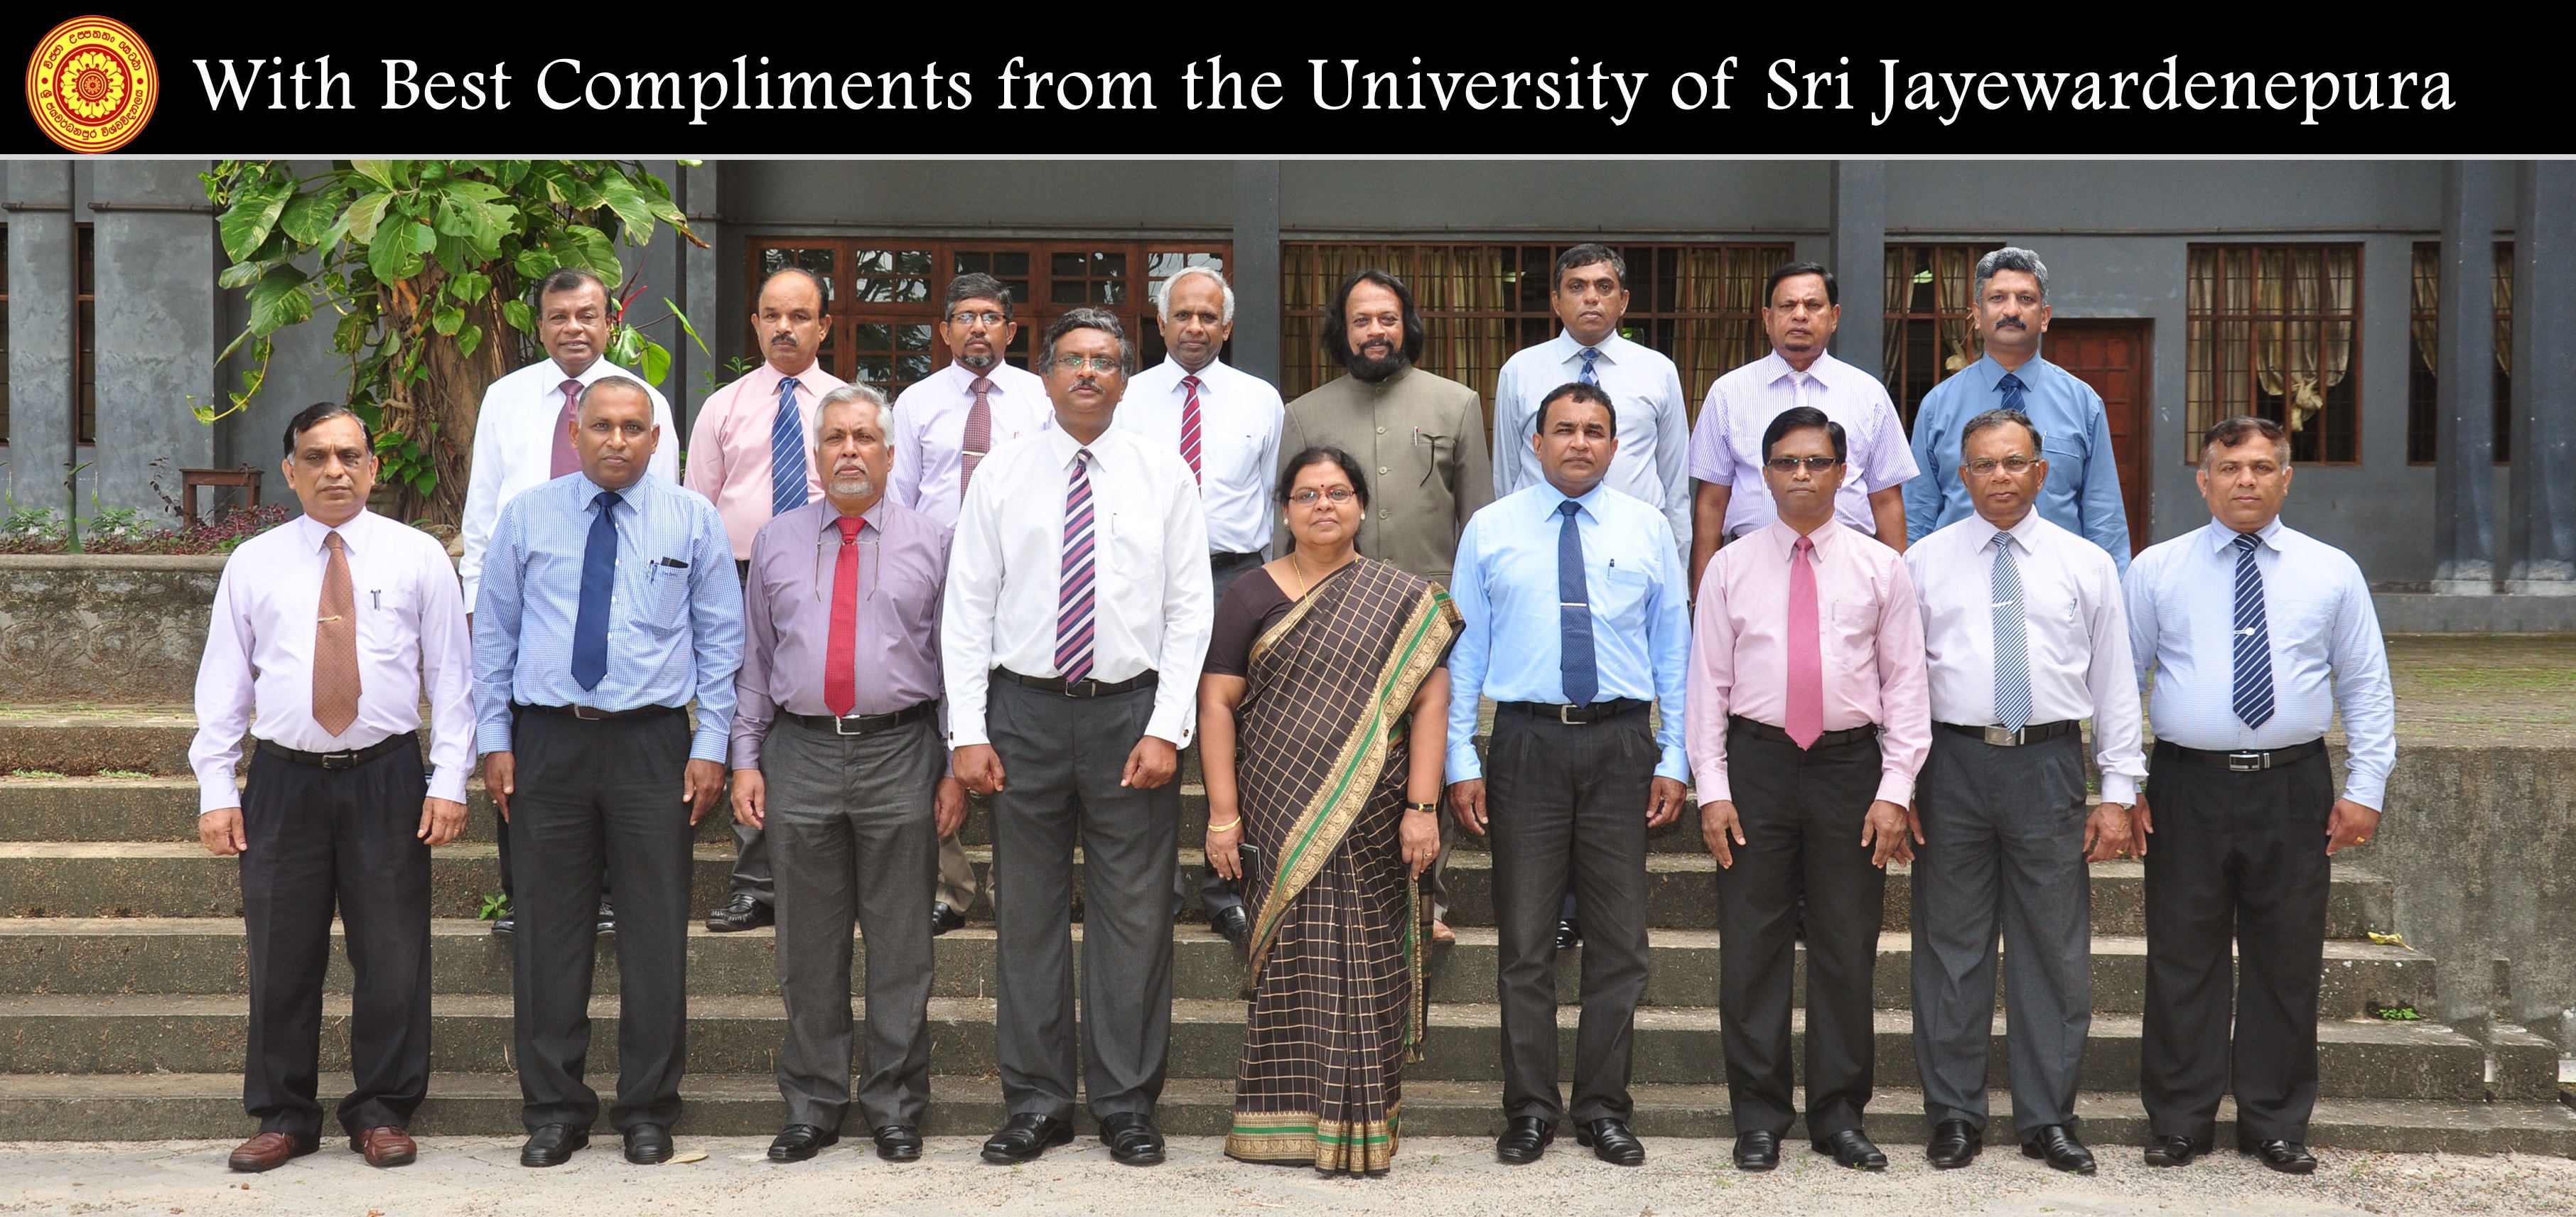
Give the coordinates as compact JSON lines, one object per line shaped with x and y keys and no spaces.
{"x":91,"y":84}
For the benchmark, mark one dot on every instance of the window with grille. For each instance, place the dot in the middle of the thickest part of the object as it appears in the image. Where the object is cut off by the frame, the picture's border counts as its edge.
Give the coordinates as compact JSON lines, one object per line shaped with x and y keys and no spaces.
{"x":2423,"y":385}
{"x":1931,"y":307}
{"x":1699,"y":304}
{"x":2270,"y":331}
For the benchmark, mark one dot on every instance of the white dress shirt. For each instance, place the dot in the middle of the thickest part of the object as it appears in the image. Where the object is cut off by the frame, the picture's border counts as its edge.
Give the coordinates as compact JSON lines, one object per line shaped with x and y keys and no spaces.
{"x":2076,"y":623}
{"x":1645,"y":390}
{"x":2326,"y":649}
{"x":1239,"y":417}
{"x":1153,"y":603}
{"x":1726,"y":450}
{"x":930,"y":431}
{"x":514,"y":449}
{"x":259,"y":651}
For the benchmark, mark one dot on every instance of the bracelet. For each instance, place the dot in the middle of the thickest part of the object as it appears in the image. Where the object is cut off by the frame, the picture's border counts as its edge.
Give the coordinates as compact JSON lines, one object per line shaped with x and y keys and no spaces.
{"x":1228,"y":826}
{"x":1430,"y":808}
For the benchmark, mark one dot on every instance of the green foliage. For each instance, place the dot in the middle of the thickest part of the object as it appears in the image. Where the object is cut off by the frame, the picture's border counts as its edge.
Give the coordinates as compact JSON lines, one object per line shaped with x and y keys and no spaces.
{"x":2397,"y":1014}
{"x":494,"y":908}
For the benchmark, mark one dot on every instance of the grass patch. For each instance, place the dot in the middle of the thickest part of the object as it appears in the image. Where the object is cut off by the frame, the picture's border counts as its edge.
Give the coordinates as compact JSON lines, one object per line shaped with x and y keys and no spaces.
{"x":2397,"y":1014}
{"x":33,"y":773}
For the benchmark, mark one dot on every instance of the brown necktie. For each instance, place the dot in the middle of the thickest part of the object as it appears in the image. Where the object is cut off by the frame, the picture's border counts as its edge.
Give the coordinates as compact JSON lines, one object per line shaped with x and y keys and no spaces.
{"x":335,"y":645}
{"x":565,"y":459}
{"x":978,"y":439}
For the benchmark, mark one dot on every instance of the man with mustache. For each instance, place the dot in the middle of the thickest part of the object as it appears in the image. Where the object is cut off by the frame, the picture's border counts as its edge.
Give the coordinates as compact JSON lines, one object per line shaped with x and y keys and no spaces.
{"x":2082,"y":494}
{"x":748,"y":455}
{"x":943,"y":429}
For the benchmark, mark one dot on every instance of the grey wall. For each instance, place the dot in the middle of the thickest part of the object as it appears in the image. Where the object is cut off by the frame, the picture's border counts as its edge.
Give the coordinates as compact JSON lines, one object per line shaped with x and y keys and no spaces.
{"x":38,"y":198}
{"x":156,"y":264}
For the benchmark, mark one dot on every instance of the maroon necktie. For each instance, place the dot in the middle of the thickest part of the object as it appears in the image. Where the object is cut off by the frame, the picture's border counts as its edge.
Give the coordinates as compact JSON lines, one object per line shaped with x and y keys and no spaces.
{"x":841,"y":654}
{"x":979,"y":435}
{"x":1190,"y":426}
{"x":566,"y":460}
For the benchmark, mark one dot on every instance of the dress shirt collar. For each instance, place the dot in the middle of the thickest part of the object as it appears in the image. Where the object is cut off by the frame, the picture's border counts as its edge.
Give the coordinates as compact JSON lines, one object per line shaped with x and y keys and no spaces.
{"x":964,"y":377}
{"x":1563,"y":349}
{"x":1062,"y":445}
{"x":1783,"y":539}
{"x":827,"y":518}
{"x":2023,"y":532}
{"x":313,"y":534}
{"x":1551,"y":496}
{"x":1987,"y":372}
{"x":587,"y":492}
{"x":2220,"y":536}
{"x":1776,"y":368}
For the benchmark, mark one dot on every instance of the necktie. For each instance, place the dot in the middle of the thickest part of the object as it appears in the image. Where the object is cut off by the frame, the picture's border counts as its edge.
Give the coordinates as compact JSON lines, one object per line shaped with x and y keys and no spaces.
{"x":335,"y":644}
{"x":2253,"y":638}
{"x":1574,"y":606}
{"x":979,"y":434}
{"x":565,"y":459}
{"x":840,"y":655}
{"x":1190,"y":425}
{"x":786,"y":452}
{"x":2010,"y":386}
{"x":1590,"y":375}
{"x":2012,"y":639}
{"x":1073,"y":596}
{"x":1806,"y":650}
{"x":598,"y":582}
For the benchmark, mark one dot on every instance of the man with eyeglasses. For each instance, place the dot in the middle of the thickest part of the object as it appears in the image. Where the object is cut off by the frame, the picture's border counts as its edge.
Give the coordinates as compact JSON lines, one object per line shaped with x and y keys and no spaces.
{"x":2026,"y":635}
{"x":1076,"y":620}
{"x":944,"y":427}
{"x":2082,"y":494}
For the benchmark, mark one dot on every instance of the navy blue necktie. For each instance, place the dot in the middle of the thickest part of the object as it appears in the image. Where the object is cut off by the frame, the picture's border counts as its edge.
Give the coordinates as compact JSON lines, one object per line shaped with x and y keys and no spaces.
{"x":2010,"y":386}
{"x":1590,"y":375}
{"x":1582,"y":674}
{"x":2254,"y":701}
{"x":598,"y":582}
{"x":786,"y":452}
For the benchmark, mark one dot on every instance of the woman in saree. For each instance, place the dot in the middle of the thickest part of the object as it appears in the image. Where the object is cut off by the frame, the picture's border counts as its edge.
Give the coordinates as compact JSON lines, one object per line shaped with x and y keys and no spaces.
{"x":1321,"y":666}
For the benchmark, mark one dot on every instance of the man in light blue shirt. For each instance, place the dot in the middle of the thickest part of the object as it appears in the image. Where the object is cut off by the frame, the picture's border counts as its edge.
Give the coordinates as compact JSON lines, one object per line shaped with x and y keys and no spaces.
{"x":604,"y":609}
{"x":1576,"y":623}
{"x":2082,"y":494}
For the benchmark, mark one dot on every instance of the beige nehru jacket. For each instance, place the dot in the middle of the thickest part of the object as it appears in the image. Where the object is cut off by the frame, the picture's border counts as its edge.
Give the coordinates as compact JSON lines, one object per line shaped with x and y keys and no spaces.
{"x":1421,"y":441}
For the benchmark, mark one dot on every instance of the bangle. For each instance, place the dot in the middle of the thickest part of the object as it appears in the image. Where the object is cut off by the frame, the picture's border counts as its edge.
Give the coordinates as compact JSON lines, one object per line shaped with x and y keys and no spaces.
{"x":1228,"y":826}
{"x":1429,"y":808}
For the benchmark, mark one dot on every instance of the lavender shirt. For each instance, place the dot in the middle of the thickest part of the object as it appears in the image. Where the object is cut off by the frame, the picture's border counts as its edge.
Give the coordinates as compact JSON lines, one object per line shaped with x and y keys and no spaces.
{"x":787,"y":607}
{"x":1726,"y":446}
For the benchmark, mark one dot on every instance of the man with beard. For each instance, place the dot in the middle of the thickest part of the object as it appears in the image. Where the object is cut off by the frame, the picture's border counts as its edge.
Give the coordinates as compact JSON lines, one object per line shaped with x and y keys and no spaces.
{"x":748,"y":455}
{"x":943,"y":428}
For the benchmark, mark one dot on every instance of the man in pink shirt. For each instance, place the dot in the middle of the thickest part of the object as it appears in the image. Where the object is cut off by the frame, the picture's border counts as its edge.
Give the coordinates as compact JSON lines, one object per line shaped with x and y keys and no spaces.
{"x":751,"y":454}
{"x":1809,"y":703}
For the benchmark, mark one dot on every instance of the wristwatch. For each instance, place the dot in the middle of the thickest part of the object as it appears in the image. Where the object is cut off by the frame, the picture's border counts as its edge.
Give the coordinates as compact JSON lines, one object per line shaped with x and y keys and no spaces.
{"x":1430,"y":808}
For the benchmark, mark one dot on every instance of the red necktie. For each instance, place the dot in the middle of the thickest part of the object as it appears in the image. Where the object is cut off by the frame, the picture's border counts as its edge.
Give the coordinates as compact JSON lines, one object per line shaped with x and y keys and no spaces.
{"x":841,"y":654}
{"x":1806,"y":650}
{"x":566,"y":460}
{"x":1190,"y":426}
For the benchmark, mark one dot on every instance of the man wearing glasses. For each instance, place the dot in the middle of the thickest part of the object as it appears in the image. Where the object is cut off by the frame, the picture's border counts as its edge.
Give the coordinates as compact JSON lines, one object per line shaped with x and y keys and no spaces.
{"x":1076,"y":618}
{"x":943,"y":429}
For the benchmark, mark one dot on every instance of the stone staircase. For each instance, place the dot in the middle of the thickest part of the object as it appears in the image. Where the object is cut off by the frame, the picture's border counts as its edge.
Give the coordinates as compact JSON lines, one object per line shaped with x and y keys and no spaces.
{"x":122,"y":1012}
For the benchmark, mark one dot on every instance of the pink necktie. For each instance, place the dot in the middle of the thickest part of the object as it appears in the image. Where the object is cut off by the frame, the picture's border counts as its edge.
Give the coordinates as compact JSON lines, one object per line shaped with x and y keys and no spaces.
{"x":566,"y":460}
{"x":1190,"y":426}
{"x":1806,"y":650}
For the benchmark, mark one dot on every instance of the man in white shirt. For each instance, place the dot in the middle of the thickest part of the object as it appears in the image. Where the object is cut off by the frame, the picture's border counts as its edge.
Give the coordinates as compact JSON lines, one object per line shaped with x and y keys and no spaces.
{"x":1225,"y":425}
{"x":329,"y":629}
{"x":2025,"y":636}
{"x":2256,"y":635}
{"x":1590,"y":295}
{"x":1076,"y":619}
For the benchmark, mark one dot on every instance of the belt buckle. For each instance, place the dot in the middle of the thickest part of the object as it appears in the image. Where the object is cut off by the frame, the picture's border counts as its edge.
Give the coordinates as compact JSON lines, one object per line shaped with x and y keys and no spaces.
{"x":2005,"y":737}
{"x":346,"y":758}
{"x":841,"y":725}
{"x":1565,"y":714}
{"x":594,"y":715}
{"x":1073,"y":688}
{"x":2248,"y":762}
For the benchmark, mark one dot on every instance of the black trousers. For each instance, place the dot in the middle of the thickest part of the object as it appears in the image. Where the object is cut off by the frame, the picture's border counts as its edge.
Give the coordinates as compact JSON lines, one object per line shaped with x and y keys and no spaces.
{"x":319,"y":839}
{"x":1567,"y":804}
{"x":600,"y":801}
{"x":1802,"y":811}
{"x":1216,"y":892}
{"x":2241,"y":858}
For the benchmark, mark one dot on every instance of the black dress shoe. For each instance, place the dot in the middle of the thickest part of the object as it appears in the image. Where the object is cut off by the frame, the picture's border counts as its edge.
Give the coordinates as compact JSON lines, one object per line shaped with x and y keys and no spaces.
{"x":744,"y":912}
{"x":797,"y":1142}
{"x":1757,"y":1150}
{"x":2287,"y":1157}
{"x":2056,"y":1145}
{"x":2174,"y":1151}
{"x":552,"y":1145}
{"x":944,"y":918}
{"x":899,"y":1143}
{"x":1235,"y":924}
{"x":1524,"y":1139}
{"x":1955,"y":1143}
{"x":607,"y":918}
{"x":1025,"y":1137}
{"x":505,"y":925}
{"x":1851,"y":1148}
{"x":1132,"y":1139}
{"x":1611,"y":1142}
{"x":648,"y":1145}
{"x":1567,"y":934}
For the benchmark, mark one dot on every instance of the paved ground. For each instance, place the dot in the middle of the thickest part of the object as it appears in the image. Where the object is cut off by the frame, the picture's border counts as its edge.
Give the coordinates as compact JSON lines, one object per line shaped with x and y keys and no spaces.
{"x":1432,"y":1177}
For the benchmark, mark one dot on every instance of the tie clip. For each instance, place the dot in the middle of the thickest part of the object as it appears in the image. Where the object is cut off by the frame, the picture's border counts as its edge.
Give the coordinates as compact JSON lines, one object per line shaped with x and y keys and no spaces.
{"x":332,"y":617}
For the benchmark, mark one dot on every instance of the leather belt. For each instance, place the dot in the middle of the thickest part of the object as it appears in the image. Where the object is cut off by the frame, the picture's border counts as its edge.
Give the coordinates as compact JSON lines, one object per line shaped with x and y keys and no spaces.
{"x":1574,"y":716}
{"x":590,"y":714}
{"x":1085,"y":687}
{"x":1226,"y":560}
{"x":1830,"y":739}
{"x":346,"y":758}
{"x":2001,"y":738}
{"x":863,"y":724}
{"x":2245,"y":760}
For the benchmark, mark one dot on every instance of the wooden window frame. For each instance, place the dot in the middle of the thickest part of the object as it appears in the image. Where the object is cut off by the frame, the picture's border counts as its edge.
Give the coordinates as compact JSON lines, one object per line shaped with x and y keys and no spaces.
{"x":2204,"y":404}
{"x":2423,"y":386}
{"x":1906,"y":319}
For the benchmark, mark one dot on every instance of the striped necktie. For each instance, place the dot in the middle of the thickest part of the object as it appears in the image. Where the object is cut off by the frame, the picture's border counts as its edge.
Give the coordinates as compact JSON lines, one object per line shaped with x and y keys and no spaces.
{"x":1074,"y":599}
{"x":2011,"y":387}
{"x":1590,"y":375}
{"x":1190,"y":426}
{"x":2012,"y":639}
{"x":2254,"y":701}
{"x":786,"y":452}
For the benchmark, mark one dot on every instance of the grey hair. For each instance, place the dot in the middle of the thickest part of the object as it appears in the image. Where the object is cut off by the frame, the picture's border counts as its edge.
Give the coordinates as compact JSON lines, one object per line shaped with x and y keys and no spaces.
{"x":1163,"y":296}
{"x":852,"y":392}
{"x":613,"y":382}
{"x":2011,"y":257}
{"x":1093,"y":319}
{"x":2001,"y":418}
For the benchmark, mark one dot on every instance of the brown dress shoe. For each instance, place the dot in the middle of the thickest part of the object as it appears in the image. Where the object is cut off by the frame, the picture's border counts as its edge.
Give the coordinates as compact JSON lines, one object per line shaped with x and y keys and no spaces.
{"x":386,"y":1146}
{"x":268,"y":1151}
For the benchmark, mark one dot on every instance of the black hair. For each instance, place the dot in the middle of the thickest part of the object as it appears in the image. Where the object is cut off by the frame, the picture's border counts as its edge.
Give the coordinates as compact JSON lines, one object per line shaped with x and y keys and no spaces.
{"x":1801,"y":418}
{"x":2000,"y":418}
{"x":975,"y":286}
{"x":2230,"y":432}
{"x":1090,"y":319}
{"x":571,"y":279}
{"x":1791,"y":270}
{"x":1587,"y":254}
{"x":1577,"y":391}
{"x":321,"y":412}
{"x":1334,"y":334}
{"x":1317,"y":455}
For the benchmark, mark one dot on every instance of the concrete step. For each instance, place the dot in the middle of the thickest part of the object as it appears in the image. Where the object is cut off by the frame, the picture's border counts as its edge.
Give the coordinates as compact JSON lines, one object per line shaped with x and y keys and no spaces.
{"x":90,"y":1033}
{"x":63,"y":955}
{"x":89,"y":739}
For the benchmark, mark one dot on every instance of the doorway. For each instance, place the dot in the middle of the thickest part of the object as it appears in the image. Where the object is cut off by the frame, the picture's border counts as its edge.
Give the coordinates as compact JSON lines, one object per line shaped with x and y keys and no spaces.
{"x":2111,"y":355}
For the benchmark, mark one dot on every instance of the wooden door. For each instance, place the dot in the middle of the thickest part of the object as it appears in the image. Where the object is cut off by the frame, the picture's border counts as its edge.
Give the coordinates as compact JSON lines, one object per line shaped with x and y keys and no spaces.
{"x":2111,"y":355}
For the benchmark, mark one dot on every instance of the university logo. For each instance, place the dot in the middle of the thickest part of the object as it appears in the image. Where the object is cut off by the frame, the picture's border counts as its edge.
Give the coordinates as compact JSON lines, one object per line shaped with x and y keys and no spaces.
{"x":91,"y":84}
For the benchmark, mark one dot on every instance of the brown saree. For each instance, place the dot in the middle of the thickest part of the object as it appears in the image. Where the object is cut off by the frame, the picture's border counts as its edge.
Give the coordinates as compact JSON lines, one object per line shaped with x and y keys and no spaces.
{"x":1339,"y":935}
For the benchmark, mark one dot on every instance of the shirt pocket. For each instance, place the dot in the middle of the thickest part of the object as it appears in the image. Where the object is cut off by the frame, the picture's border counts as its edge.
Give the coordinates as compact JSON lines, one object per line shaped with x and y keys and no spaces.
{"x":1135,"y":543}
{"x":1619,"y":598}
{"x":916,"y":598}
{"x":1852,"y":631}
{"x":389,"y":622}
{"x":664,"y":608}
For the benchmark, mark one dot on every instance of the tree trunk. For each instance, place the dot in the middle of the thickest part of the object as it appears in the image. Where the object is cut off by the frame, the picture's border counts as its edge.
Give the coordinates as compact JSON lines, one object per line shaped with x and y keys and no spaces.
{"x":450,"y":392}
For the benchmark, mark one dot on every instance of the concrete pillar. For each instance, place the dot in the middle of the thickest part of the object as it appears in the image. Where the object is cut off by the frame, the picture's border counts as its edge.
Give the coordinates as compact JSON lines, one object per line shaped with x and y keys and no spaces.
{"x":1859,"y":261}
{"x":1255,"y":271}
{"x":2541,"y":518}
{"x":40,"y":359}
{"x":694,"y":189}
{"x":156,"y":267}
{"x":2464,"y":358}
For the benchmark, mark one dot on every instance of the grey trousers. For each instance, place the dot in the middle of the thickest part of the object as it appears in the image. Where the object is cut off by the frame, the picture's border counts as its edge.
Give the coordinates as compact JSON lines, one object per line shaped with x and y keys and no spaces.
{"x":852,"y":822}
{"x":754,"y":873}
{"x":1061,"y":760}
{"x":2003,"y":849}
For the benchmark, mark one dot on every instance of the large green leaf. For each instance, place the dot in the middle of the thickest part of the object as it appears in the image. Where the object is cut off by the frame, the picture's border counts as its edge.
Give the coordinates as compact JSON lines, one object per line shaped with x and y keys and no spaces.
{"x":447,"y":319}
{"x":241,"y":274}
{"x":467,"y":339}
{"x":593,"y":249}
{"x":654,"y":362}
{"x":255,"y":209}
{"x":628,"y":202}
{"x":537,"y":261}
{"x":365,"y":214}
{"x":279,"y":300}
{"x":379,"y":172}
{"x":396,"y":255}
{"x":519,"y":315}
{"x":469,"y":287}
{"x":309,"y":216}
